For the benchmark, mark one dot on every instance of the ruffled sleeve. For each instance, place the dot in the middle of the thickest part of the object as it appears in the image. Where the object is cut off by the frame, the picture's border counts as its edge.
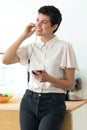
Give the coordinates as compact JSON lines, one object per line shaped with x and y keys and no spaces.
{"x":68,"y":58}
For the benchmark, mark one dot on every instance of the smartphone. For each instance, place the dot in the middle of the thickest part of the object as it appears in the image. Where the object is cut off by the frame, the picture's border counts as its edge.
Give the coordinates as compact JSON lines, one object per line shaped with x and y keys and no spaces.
{"x":33,"y":72}
{"x":40,"y":71}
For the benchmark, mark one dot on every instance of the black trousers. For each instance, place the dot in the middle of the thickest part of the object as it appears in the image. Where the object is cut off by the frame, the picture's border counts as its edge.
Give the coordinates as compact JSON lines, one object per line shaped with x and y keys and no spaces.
{"x":42,"y":111}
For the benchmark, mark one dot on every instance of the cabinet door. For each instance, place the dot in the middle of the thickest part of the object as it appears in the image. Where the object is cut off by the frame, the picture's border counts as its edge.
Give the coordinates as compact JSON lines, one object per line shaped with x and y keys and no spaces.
{"x":9,"y":120}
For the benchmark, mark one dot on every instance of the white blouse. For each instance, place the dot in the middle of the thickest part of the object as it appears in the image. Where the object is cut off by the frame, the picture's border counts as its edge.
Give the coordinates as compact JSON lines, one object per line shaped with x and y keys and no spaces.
{"x":53,"y":56}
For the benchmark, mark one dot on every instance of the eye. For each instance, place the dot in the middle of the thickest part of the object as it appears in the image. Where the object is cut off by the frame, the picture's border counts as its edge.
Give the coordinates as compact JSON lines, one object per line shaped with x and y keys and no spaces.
{"x":44,"y":22}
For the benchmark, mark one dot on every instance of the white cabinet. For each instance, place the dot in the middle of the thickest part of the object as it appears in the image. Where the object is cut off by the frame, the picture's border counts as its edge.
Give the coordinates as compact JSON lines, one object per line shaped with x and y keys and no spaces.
{"x":75,"y":118}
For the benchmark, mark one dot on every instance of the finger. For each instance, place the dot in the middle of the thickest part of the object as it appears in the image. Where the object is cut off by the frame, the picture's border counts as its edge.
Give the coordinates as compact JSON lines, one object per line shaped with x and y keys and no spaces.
{"x":31,"y":25}
{"x":33,"y":30}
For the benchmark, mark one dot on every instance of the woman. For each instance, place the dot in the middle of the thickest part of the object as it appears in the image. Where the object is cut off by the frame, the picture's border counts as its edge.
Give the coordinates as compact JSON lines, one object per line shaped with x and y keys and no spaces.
{"x":51,"y":65}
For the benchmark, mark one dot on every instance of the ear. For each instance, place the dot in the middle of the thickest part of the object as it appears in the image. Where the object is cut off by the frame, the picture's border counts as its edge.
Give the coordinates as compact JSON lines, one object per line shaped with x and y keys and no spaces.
{"x":55,"y":27}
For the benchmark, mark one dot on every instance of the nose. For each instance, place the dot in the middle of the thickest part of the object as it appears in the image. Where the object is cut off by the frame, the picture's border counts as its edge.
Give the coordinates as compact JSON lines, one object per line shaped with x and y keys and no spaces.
{"x":38,"y":23}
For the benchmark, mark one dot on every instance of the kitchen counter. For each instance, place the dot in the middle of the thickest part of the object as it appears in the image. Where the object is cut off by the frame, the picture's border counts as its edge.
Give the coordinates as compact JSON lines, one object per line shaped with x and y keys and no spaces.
{"x":76,"y":116}
{"x":9,"y":114}
{"x":14,"y":104}
{"x":73,"y":105}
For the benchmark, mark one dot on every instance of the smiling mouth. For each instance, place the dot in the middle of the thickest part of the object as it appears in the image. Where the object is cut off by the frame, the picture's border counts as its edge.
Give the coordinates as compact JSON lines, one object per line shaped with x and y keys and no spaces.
{"x":38,"y":29}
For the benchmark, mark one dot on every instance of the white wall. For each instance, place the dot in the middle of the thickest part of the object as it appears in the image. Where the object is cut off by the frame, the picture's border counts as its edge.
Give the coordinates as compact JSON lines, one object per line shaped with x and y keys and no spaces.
{"x":15,"y":15}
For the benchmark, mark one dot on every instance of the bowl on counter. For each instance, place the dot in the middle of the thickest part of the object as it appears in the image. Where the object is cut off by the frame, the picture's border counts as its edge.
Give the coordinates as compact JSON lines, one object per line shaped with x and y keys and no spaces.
{"x":5,"y":97}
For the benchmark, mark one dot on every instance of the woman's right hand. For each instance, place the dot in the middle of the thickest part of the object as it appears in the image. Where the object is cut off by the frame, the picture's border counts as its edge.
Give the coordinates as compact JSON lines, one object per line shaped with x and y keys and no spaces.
{"x":29,"y":30}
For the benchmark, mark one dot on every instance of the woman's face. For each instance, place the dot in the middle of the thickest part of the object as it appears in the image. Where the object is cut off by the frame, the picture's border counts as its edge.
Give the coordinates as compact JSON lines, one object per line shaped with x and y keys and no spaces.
{"x":43,"y":26}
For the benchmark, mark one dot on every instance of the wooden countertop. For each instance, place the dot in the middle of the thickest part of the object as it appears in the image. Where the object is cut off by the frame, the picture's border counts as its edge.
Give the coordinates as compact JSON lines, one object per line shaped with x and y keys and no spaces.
{"x":73,"y":105}
{"x":14,"y":104}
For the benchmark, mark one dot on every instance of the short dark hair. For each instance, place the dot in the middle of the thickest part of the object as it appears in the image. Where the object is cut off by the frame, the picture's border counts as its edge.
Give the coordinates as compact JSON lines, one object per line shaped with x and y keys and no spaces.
{"x":53,"y":13}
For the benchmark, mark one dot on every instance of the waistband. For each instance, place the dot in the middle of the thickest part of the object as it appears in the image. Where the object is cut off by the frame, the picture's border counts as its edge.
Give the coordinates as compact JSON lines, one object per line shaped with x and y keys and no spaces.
{"x":47,"y":95}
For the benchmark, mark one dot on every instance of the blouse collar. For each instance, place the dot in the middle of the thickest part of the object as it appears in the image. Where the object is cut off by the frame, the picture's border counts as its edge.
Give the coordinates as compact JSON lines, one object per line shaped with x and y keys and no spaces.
{"x":48,"y":43}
